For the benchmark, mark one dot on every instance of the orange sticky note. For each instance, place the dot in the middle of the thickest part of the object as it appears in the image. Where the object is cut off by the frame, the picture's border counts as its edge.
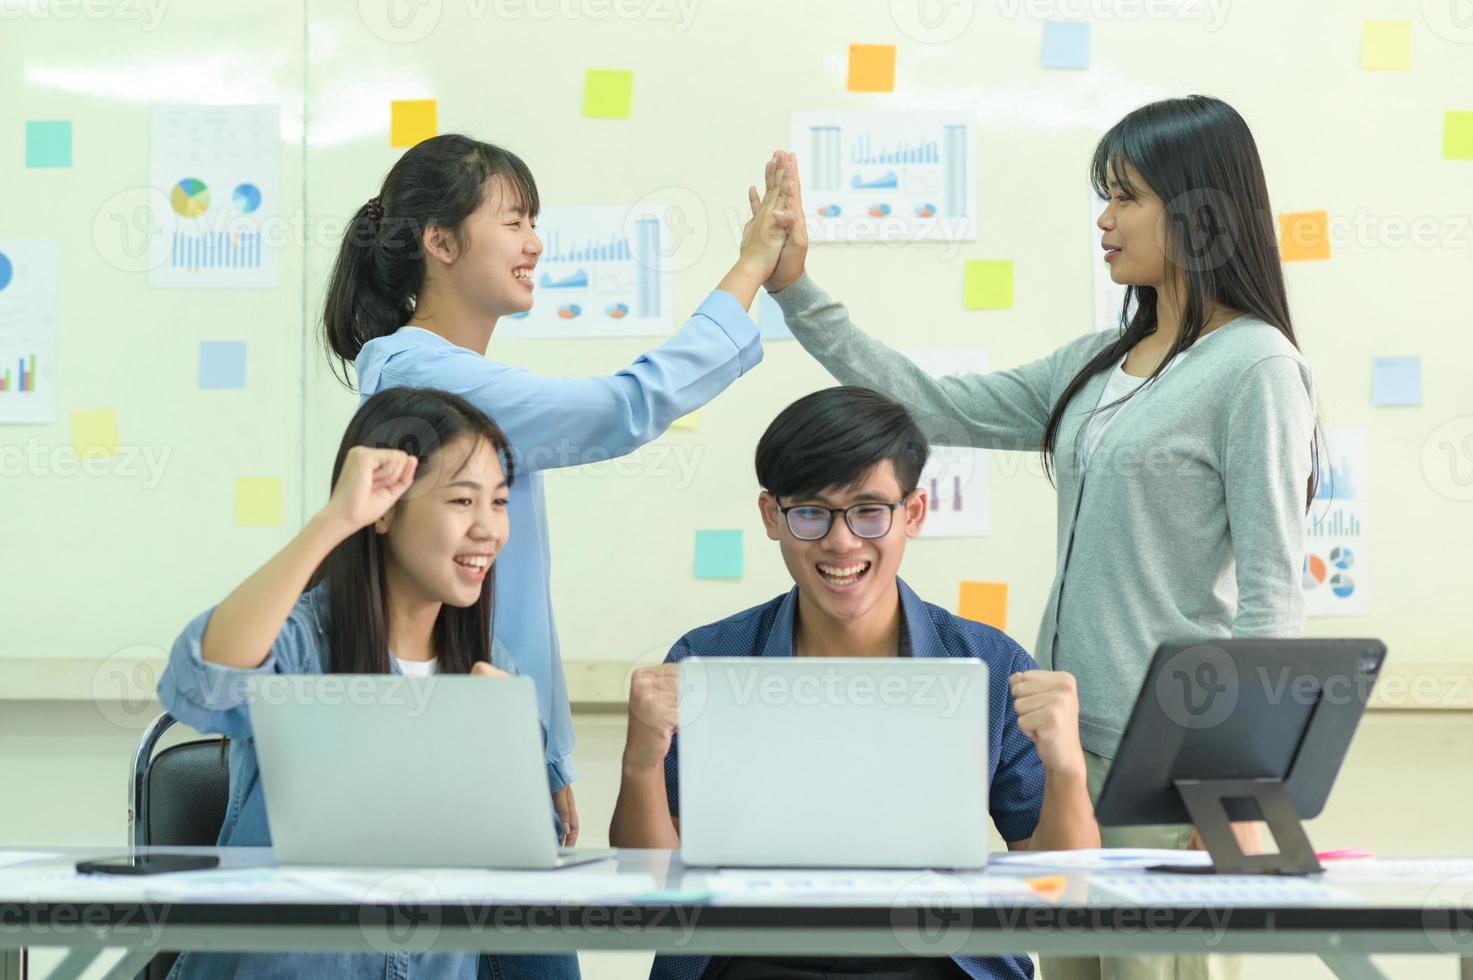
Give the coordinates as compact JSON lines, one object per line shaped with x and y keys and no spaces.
{"x":985,"y":602}
{"x":1049,"y":885}
{"x":1304,"y":235}
{"x":413,"y":121}
{"x":871,"y":67}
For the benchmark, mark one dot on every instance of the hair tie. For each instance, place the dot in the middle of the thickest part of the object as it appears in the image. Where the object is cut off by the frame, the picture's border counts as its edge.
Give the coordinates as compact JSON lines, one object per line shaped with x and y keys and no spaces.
{"x":375,"y":210}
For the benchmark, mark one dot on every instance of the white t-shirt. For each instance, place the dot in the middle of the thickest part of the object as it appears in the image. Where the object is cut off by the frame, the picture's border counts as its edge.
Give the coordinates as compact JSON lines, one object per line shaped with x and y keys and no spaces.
{"x":1117,"y":387}
{"x":419,"y":668}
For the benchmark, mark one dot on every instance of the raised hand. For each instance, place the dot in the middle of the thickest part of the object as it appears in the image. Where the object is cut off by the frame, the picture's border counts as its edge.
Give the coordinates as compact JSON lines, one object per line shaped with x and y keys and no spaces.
{"x":654,"y":703}
{"x":767,"y":230}
{"x":794,"y":255}
{"x":372,"y":480}
{"x":1047,"y":704}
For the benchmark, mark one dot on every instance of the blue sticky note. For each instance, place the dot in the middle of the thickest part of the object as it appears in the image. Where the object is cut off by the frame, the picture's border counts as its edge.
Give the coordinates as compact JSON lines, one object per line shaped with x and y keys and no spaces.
{"x":1396,"y":381}
{"x":222,"y":363}
{"x":718,"y":554}
{"x":48,"y":143}
{"x":1065,"y":44}
{"x":770,"y":318}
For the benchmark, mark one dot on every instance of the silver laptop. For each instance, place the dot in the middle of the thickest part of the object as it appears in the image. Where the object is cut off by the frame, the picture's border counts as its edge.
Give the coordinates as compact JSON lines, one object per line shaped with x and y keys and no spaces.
{"x":829,"y":762}
{"x":390,"y":771}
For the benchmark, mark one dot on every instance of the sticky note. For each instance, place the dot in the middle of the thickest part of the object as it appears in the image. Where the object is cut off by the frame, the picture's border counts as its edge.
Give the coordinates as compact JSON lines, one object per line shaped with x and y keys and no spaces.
{"x":1065,"y":44}
{"x":985,"y":602}
{"x":258,"y":501}
{"x":608,"y":94}
{"x":871,"y":67}
{"x":95,"y":432}
{"x":1304,"y":235}
{"x":1457,"y":135}
{"x":413,"y":121}
{"x":770,"y":320}
{"x":1396,"y":381}
{"x":718,"y":554}
{"x":687,"y":422}
{"x":48,"y":143}
{"x":989,"y":284}
{"x":1386,"y":45}
{"x":222,"y":364}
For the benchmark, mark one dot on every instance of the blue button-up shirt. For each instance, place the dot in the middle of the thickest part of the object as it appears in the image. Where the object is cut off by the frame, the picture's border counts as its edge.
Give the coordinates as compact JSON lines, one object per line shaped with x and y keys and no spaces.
{"x":552,"y":422}
{"x":1016,"y":796}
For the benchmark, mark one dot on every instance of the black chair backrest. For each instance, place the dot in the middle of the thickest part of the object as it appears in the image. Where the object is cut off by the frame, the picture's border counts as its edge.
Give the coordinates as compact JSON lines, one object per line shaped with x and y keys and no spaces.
{"x":179,"y":800}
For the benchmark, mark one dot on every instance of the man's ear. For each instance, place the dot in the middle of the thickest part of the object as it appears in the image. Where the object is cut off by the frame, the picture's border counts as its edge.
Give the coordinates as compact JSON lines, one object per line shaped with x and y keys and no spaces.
{"x":440,"y":244}
{"x":916,"y":507}
{"x":771,"y":515}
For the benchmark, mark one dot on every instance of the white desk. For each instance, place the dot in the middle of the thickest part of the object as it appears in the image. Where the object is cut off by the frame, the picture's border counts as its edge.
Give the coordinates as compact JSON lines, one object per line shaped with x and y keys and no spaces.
{"x":611,"y":906}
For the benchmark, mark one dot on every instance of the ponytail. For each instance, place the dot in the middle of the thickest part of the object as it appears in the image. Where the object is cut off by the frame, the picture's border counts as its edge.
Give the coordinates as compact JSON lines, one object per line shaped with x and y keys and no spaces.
{"x":380,"y":268}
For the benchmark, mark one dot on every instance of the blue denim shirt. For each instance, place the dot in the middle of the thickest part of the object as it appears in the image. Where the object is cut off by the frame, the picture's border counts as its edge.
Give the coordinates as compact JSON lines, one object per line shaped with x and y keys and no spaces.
{"x":211,"y":698}
{"x":1016,"y":797}
{"x":553,"y":422}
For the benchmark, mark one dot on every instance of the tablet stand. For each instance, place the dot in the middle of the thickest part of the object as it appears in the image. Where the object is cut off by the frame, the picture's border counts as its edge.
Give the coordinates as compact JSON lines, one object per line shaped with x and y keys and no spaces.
{"x":1206,"y":802}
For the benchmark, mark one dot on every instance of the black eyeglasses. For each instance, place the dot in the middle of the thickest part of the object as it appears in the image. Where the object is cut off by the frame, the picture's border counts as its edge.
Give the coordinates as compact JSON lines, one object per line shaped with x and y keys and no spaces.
{"x":809,"y":522}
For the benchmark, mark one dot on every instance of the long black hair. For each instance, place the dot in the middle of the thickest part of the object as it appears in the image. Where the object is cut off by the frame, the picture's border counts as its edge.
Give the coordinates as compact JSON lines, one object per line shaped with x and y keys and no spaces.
{"x":1199,"y":157}
{"x":421,"y":422}
{"x":380,"y":267}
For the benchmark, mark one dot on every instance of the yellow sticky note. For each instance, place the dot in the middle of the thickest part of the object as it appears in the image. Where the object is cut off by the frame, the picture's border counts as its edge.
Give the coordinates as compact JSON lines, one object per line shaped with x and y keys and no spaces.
{"x":608,"y":94}
{"x":258,"y":501}
{"x":871,"y":67}
{"x":1457,"y":135}
{"x":1304,"y":235}
{"x":985,"y":602}
{"x":95,"y":433}
{"x":413,"y":121}
{"x":1386,"y":45}
{"x":687,"y":421}
{"x":989,"y":284}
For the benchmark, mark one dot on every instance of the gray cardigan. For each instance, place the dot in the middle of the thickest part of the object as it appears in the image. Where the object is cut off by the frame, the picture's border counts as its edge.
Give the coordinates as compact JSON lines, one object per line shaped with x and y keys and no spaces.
{"x":1188,"y":524}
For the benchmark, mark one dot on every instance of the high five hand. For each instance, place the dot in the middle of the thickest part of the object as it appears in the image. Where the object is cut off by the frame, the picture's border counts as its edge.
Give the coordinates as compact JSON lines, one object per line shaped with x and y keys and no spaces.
{"x":767,"y":230}
{"x":791,"y":261}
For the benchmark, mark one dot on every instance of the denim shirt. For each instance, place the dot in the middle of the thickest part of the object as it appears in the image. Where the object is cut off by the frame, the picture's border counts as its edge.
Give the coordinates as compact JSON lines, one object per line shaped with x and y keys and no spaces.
{"x":211,"y":698}
{"x":1016,"y":797}
{"x":554,"y":422}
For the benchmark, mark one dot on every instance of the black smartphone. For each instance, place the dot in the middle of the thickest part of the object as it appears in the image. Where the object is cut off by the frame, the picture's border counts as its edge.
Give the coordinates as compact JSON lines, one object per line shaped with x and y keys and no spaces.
{"x":148,"y":864}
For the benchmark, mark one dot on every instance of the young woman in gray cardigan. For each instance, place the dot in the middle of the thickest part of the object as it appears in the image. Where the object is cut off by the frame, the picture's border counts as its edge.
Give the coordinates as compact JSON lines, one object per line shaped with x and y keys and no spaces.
{"x":1182,"y":444}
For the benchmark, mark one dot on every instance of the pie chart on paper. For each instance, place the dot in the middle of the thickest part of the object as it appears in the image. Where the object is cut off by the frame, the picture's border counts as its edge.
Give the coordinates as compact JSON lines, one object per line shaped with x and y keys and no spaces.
{"x":247,"y":198}
{"x":7,"y":271}
{"x":190,"y":198}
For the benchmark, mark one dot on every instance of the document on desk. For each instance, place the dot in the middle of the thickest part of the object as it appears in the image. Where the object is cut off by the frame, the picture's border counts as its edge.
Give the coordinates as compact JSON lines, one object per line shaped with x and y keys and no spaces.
{"x":9,"y":859}
{"x":1097,"y":859}
{"x":816,"y":887}
{"x":1147,"y":888}
{"x":577,"y":886}
{"x":1403,"y":869}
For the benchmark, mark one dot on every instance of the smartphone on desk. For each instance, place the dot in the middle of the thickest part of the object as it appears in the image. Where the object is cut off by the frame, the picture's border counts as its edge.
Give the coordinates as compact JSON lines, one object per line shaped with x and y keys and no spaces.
{"x":148,"y":864}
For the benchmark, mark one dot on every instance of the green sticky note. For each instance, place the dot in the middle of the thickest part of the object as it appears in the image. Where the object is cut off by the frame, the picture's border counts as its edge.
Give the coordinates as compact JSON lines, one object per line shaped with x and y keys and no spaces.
{"x":608,"y":94}
{"x":1457,"y":136}
{"x":48,"y":143}
{"x":258,"y":501}
{"x":989,"y":284}
{"x":718,"y":554}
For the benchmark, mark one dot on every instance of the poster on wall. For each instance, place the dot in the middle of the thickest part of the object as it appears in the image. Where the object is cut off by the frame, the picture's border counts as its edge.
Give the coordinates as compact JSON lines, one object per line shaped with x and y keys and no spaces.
{"x":604,"y":271}
{"x":1337,"y":561}
{"x":28,"y":294}
{"x":887,"y":176}
{"x":216,"y":174}
{"x":957,"y":480}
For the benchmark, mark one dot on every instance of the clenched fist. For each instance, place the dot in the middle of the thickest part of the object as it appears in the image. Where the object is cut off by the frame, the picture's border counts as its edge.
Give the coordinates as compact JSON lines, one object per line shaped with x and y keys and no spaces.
{"x":654,"y":703}
{"x":1047,"y":703}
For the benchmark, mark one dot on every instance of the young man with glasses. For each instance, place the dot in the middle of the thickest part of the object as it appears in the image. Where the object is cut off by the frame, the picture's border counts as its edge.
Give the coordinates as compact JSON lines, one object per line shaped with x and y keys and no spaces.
{"x":839,"y":471}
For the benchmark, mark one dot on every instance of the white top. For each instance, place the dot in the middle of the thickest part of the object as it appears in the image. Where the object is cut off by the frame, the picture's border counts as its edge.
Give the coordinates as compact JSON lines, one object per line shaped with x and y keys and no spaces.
{"x":1117,"y":387}
{"x":419,"y":668}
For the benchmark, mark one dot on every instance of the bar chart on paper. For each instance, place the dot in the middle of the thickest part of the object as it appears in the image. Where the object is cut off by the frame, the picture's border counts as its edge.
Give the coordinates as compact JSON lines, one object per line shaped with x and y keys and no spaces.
{"x":1337,"y":559}
{"x":28,"y":294}
{"x":957,"y":480}
{"x":219,"y":169}
{"x":887,"y":176}
{"x":603,"y":272}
